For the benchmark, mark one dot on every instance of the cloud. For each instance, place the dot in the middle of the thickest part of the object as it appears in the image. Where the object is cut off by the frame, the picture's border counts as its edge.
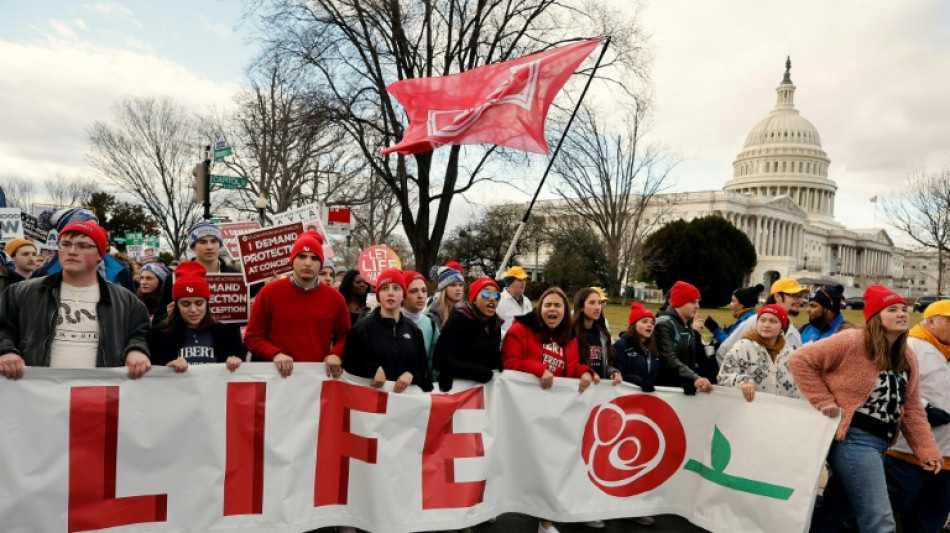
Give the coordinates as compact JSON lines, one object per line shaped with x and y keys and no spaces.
{"x":56,"y":90}
{"x":219,"y":29}
{"x":870,"y":75}
{"x":114,"y":10}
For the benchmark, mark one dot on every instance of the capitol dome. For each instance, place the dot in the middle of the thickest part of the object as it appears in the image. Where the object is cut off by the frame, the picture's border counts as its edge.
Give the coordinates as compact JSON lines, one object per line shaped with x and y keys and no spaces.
{"x":783,"y":156}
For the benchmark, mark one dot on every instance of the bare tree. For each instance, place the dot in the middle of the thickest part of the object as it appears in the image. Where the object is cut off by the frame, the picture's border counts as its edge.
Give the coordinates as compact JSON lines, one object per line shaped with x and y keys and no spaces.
{"x":353,"y":49}
{"x":285,"y":143}
{"x":144,"y":152}
{"x":376,"y":216}
{"x":608,"y":181}
{"x":68,"y":191}
{"x":19,"y":191}
{"x":922,"y":211}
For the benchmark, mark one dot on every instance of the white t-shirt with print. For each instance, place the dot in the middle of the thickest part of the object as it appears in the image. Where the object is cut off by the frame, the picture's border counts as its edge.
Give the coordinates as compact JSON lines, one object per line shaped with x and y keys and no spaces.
{"x":76,"y":338}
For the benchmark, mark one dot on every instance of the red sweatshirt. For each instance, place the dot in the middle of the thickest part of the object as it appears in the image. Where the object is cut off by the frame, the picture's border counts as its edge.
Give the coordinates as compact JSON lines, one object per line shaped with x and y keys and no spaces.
{"x":302,"y":324}
{"x":522,"y":350}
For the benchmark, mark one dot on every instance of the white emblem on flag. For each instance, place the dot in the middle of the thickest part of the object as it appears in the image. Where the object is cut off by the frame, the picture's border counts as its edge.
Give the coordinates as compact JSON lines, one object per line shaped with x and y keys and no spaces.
{"x":454,"y":122}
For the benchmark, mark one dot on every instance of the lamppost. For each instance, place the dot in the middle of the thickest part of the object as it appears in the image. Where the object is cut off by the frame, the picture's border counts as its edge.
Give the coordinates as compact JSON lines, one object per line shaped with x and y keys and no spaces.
{"x":261,"y":205}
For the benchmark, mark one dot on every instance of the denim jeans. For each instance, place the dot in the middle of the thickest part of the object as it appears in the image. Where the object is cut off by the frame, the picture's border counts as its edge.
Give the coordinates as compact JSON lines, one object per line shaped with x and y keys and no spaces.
{"x":919,"y":498}
{"x":857,"y":487}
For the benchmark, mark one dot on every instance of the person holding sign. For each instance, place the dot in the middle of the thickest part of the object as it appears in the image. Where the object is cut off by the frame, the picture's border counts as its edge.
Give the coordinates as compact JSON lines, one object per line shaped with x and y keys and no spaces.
{"x":297,"y":318}
{"x":384,"y":346}
{"x":190,"y":335}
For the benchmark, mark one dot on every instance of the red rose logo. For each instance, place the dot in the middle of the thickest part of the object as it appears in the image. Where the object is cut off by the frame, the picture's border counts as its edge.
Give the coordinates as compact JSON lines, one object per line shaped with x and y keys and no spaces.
{"x":633,"y":444}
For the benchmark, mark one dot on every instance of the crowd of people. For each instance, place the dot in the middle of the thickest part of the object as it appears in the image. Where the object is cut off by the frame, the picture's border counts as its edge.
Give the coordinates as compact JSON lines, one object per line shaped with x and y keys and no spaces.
{"x":889,"y":382}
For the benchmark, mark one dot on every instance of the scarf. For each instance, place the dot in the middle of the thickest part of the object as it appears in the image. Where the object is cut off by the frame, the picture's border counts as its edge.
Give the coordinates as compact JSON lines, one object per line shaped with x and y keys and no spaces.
{"x":772,"y":349}
{"x":924,"y":334}
{"x":414,"y":317}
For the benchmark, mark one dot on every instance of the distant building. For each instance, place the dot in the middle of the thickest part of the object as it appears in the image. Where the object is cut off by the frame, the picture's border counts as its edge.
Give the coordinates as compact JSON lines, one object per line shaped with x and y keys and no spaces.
{"x":782,"y":198}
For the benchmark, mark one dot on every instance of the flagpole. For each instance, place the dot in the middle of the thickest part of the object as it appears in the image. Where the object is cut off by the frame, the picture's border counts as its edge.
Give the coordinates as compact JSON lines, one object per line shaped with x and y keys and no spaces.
{"x":524,"y":220}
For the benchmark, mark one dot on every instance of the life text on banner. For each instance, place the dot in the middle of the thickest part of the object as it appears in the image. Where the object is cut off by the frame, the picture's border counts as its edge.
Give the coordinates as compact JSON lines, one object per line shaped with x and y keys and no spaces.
{"x":214,"y":450}
{"x":266,"y":252}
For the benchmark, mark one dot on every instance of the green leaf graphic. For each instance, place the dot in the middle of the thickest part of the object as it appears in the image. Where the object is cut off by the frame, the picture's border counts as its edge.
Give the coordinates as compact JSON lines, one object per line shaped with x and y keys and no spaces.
{"x":721,"y":451}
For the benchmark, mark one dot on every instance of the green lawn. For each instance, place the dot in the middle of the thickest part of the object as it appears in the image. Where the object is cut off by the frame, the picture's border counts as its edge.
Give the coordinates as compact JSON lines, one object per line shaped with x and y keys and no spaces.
{"x":617,"y":316}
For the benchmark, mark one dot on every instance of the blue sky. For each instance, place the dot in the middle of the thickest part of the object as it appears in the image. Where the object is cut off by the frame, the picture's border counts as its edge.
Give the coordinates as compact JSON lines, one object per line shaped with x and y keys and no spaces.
{"x":872,"y":76}
{"x":200,"y":35}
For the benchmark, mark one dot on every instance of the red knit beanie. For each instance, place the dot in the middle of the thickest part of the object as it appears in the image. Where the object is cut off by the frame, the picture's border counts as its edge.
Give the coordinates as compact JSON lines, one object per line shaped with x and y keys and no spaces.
{"x":480,"y":284}
{"x":190,"y":281}
{"x":638,"y":312}
{"x":390,"y":275}
{"x":878,"y":297}
{"x":410,"y":275}
{"x":93,"y":231}
{"x":776,"y":310}
{"x":683,"y":293}
{"x":455,"y":265}
{"x":308,"y":241}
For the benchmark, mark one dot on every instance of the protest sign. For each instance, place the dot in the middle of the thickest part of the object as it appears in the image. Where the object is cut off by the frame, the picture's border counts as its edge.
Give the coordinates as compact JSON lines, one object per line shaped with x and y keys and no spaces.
{"x":230,"y":231}
{"x":270,"y":455}
{"x":374,"y":260}
{"x":229,"y":298}
{"x":266,"y":252}
{"x":31,"y":228}
{"x":311,"y":218}
{"x":10,"y":225}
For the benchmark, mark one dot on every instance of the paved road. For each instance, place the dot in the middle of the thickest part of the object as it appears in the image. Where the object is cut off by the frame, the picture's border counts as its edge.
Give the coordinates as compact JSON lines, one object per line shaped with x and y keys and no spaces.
{"x":517,"y":523}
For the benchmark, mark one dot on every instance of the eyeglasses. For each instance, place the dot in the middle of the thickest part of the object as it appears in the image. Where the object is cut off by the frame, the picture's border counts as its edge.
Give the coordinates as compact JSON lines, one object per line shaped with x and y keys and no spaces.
{"x":488,"y":295}
{"x":79,"y":246}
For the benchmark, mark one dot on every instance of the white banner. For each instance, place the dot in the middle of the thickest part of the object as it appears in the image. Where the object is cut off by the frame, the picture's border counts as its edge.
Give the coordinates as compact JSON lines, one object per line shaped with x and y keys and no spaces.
{"x":82,"y":450}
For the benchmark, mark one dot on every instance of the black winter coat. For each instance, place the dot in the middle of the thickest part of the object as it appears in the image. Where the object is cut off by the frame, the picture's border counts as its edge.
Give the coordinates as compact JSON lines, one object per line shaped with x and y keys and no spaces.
{"x":681,"y":351}
{"x":468,"y":347}
{"x":635,"y":362}
{"x":163,"y":347}
{"x":29,"y":310}
{"x":376,"y":341}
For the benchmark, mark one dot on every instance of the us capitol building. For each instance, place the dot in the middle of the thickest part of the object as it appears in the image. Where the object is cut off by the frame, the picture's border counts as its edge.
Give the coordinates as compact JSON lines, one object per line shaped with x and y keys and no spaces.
{"x":782,"y":198}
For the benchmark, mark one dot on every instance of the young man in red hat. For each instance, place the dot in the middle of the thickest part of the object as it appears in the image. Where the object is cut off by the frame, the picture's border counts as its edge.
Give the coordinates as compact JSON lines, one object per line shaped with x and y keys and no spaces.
{"x":298,"y":318}
{"x":97,"y":323}
{"x":680,"y":345}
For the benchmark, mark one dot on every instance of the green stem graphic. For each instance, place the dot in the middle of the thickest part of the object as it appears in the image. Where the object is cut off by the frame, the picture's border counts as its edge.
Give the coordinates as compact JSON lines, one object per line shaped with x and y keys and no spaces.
{"x":759,"y":488}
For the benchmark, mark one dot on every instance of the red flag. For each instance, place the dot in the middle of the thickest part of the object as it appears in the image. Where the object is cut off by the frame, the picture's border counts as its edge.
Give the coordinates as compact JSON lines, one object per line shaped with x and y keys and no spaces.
{"x":874,"y":200}
{"x":504,"y":103}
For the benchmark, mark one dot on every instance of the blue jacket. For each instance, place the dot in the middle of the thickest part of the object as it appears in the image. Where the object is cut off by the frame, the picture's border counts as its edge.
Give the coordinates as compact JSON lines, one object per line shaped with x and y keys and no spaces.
{"x":115,"y":271}
{"x":811,"y":334}
{"x":722,"y":333}
{"x":635,"y":363}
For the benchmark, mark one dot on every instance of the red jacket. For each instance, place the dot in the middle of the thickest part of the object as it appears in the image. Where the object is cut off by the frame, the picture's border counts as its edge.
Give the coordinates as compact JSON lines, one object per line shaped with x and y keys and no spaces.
{"x":522,"y":350}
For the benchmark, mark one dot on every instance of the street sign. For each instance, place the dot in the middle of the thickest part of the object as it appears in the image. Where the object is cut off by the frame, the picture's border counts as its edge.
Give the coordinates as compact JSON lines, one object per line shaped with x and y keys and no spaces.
{"x":229,"y":182}
{"x":220,"y":144}
{"x":221,"y":153}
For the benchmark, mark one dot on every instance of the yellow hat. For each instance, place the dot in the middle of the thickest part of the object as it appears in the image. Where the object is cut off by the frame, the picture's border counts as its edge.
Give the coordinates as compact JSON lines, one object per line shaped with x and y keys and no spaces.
{"x":16,"y":244}
{"x":600,"y":291}
{"x":516,"y":272}
{"x":788,"y":286}
{"x":938,"y":308}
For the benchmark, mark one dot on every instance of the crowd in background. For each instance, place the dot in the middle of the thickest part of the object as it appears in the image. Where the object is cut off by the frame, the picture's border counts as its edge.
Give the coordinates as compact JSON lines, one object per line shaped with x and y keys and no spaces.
{"x":888,"y":381}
